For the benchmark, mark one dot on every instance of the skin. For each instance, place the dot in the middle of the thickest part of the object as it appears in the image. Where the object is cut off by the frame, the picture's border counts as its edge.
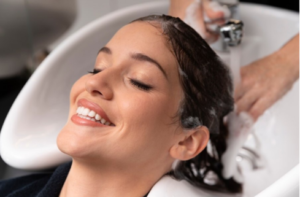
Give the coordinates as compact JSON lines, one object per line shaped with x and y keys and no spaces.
{"x":129,"y":158}
{"x":264,"y":81}
{"x":178,"y":8}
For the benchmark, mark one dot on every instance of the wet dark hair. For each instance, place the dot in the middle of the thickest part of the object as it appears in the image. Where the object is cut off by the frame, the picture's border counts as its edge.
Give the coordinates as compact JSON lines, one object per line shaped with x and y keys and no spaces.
{"x":207,"y":88}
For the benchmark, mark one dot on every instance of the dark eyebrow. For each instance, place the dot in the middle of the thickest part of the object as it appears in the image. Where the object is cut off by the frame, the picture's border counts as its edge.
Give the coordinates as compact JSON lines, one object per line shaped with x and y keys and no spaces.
{"x":142,"y":57}
{"x":105,"y":50}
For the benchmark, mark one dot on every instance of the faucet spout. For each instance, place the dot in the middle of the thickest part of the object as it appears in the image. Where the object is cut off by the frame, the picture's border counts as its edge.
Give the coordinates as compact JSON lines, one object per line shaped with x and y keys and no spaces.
{"x":232,"y":32}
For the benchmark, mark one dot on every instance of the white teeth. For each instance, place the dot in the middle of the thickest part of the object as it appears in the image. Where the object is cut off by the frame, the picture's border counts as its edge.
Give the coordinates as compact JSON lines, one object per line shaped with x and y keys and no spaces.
{"x":92,"y":114}
{"x":79,"y":109}
{"x":85,"y":117}
{"x":85,"y":111}
{"x":97,"y":117}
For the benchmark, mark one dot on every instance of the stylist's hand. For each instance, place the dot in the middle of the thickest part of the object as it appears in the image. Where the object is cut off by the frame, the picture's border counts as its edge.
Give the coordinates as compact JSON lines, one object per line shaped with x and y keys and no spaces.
{"x":265,"y":81}
{"x":204,"y":16}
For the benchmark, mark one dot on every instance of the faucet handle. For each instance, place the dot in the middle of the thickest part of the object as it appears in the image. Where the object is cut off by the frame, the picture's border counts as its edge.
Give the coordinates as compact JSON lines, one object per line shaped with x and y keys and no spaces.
{"x":232,"y":32}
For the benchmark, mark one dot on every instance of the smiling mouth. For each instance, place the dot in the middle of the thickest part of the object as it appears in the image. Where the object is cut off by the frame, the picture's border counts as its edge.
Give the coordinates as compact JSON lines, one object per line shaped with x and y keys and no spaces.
{"x":88,"y":114}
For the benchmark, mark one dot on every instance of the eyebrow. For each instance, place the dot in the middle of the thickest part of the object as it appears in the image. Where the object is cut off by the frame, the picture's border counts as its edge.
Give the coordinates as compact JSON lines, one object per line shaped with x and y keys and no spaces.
{"x":145,"y":58}
{"x":137,"y":56}
{"x":105,"y":50}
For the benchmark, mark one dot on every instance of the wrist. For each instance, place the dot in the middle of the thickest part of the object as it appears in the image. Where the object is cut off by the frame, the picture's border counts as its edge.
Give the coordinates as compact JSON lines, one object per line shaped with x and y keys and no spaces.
{"x":290,"y":61}
{"x":289,"y":56}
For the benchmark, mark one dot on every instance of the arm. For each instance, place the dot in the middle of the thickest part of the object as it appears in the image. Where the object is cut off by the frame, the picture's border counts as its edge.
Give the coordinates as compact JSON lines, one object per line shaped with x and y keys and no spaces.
{"x":266,"y":80}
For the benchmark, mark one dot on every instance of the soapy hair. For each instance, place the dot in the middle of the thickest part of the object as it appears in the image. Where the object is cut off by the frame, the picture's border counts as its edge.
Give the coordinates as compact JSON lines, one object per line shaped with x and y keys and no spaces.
{"x":207,"y":88}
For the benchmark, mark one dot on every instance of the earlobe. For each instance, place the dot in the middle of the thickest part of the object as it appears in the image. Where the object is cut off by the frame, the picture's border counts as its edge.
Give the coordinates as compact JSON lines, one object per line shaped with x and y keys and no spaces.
{"x":193,"y":142}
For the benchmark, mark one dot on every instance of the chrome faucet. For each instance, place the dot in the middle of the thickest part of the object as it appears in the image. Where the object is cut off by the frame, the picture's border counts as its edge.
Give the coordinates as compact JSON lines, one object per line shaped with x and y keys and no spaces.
{"x":231,"y":32}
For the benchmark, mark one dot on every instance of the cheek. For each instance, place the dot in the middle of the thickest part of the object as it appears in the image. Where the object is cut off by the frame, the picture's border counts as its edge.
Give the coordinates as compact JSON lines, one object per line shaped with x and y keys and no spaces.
{"x":147,"y":120}
{"x":77,"y":88}
{"x":142,"y":109}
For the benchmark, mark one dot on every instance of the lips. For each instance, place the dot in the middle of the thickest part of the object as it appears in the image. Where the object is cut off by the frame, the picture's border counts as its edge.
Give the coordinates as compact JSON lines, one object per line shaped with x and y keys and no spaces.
{"x":94,"y":107}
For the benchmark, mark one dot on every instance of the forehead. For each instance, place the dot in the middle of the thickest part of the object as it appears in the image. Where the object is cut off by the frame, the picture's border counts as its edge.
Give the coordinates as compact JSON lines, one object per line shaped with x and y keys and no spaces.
{"x":143,"y":37}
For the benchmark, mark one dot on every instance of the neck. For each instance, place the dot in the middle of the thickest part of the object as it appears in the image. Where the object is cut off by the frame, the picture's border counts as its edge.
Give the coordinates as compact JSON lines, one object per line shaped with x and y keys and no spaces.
{"x":89,"y":179}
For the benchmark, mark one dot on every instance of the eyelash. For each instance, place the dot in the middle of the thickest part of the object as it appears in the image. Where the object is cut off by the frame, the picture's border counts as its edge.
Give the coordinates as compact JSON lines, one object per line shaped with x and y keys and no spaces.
{"x":140,"y":85}
{"x":132,"y":81}
{"x":95,"y":71}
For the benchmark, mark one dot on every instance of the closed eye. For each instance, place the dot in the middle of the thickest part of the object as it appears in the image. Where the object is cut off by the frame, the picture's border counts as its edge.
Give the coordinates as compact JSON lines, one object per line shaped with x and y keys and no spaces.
{"x":140,"y":85}
{"x":136,"y":83}
{"x":95,"y":71}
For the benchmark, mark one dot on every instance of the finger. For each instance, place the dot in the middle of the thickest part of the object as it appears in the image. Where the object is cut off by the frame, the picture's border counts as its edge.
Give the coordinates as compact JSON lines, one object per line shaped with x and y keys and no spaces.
{"x":201,"y":28}
{"x":239,"y":92}
{"x":248,"y":99}
{"x":212,"y":38}
{"x":241,"y":89}
{"x":245,"y":84}
{"x":215,"y":13}
{"x":214,"y":20}
{"x":213,"y":9}
{"x":260,"y":106}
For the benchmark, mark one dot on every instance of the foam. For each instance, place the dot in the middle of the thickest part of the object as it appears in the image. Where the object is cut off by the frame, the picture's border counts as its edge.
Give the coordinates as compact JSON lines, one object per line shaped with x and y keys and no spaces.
{"x":192,"y":122}
{"x":182,"y":73}
{"x":192,"y":19}
{"x":239,"y":126}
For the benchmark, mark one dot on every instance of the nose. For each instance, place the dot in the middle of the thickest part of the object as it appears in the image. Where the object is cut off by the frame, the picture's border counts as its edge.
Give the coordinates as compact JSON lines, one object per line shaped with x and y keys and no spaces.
{"x":101,"y":84}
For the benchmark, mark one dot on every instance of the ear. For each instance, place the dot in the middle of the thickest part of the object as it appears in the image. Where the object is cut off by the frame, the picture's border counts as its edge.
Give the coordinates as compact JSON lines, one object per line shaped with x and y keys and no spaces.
{"x":191,"y":143}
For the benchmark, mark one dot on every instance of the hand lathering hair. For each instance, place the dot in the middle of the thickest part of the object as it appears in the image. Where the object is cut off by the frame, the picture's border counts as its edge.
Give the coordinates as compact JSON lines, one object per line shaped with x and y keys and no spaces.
{"x":207,"y":88}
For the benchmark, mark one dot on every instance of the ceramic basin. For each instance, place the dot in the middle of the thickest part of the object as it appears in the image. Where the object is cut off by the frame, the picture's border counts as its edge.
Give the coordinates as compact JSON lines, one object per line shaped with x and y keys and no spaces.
{"x":27,"y":26}
{"x":41,"y":109}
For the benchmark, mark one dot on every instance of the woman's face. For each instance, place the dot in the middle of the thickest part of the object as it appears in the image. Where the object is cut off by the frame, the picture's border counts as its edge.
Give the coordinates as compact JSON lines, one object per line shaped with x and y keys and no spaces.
{"x":137,"y":90}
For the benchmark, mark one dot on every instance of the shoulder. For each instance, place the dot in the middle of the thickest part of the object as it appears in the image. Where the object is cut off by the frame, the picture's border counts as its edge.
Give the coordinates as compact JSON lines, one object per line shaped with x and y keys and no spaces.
{"x":24,"y":186}
{"x":36,"y":185}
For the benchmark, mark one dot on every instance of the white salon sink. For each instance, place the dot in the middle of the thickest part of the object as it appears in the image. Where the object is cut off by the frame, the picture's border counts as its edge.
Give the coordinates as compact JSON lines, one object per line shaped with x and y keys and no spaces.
{"x":266,"y":30}
{"x":28,"y":136}
{"x":30,"y":25}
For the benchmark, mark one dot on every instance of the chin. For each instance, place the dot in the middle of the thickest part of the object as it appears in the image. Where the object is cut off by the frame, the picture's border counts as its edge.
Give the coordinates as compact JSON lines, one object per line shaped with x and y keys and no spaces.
{"x":70,"y":143}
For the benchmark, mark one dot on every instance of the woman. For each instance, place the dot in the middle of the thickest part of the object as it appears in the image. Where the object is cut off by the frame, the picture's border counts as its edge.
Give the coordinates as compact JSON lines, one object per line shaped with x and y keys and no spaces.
{"x":156,"y":95}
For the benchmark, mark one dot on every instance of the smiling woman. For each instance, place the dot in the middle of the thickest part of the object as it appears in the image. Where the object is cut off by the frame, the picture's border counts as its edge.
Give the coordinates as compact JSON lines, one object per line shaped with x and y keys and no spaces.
{"x":156,"y":95}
